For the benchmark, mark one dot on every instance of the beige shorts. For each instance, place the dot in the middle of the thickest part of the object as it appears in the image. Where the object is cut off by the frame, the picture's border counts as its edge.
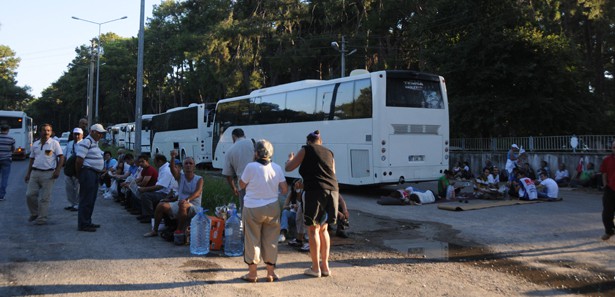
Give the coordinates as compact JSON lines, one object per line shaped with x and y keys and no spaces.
{"x":175,"y":209}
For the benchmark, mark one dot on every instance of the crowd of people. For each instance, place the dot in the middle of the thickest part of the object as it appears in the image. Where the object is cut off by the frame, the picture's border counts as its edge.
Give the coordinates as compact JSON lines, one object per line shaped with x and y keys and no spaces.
{"x":170,"y":191}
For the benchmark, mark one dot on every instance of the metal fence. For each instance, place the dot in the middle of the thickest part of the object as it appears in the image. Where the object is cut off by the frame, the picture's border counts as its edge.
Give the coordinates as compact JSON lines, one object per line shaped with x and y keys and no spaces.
{"x":584,"y":143}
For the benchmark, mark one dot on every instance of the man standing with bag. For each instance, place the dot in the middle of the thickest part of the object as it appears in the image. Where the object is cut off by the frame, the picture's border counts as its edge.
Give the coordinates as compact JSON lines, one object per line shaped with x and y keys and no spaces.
{"x":46,"y":160}
{"x":7,"y":146}
{"x":88,"y":166}
{"x":71,"y":182}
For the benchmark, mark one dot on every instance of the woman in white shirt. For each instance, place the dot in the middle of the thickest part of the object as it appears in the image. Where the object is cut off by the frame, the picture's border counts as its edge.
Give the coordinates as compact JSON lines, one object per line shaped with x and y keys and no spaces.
{"x":263,"y":181}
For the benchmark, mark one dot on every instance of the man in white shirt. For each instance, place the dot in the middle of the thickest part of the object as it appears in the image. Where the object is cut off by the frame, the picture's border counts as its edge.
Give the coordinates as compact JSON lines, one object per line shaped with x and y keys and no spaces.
{"x":548,"y":187}
{"x":151,"y":196}
{"x":46,"y":161}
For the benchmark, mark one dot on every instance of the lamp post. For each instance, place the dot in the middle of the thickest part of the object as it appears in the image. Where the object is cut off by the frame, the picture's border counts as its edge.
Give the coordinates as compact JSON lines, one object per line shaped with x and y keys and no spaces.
{"x":98,"y":59}
{"x":344,"y":52}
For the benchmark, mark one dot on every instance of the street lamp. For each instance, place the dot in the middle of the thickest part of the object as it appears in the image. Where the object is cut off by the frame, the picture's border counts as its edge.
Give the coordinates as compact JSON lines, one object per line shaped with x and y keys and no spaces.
{"x":344,"y":52}
{"x":98,"y":58}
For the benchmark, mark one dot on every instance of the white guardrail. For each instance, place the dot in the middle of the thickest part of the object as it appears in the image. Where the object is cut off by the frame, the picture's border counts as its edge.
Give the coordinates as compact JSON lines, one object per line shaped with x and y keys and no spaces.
{"x":567,"y":143}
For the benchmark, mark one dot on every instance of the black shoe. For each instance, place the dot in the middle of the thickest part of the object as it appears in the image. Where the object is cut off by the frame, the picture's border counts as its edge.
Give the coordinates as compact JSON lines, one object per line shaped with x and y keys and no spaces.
{"x":68,"y":207}
{"x":32,"y":218}
{"x":87,"y":229}
{"x":94,"y":225}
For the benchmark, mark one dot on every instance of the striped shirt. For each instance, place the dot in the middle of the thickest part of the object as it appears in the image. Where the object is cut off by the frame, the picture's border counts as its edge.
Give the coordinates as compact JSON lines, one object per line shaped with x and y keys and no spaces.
{"x":92,"y":156}
{"x":7,"y":146}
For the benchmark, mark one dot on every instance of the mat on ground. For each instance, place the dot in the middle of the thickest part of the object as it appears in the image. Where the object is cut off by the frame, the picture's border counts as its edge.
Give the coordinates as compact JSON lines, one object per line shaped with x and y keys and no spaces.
{"x":480,"y":204}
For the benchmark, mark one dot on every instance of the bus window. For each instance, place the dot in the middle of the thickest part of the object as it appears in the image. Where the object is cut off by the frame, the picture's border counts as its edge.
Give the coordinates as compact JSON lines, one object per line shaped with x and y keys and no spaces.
{"x":301,"y":105}
{"x":414,"y":93}
{"x":323,"y":105}
{"x":344,"y":108}
{"x":363,"y":99}
{"x":270,"y":109}
{"x":13,"y":122}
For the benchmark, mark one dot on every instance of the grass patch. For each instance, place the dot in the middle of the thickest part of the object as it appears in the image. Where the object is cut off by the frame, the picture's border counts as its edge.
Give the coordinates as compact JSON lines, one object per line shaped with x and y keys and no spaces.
{"x":216,"y":191}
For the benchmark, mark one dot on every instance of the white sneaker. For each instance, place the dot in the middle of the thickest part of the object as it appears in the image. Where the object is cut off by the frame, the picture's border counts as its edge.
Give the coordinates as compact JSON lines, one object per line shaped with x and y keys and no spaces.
{"x":282,"y":238}
{"x":305,"y":247}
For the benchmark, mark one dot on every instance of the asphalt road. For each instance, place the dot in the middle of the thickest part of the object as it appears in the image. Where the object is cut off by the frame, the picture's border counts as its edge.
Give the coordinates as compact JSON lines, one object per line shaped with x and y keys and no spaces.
{"x":56,"y":259}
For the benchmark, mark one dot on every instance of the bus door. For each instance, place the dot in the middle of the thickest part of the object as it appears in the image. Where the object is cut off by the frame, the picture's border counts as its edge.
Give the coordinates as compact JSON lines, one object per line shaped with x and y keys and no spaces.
{"x":360,"y":164}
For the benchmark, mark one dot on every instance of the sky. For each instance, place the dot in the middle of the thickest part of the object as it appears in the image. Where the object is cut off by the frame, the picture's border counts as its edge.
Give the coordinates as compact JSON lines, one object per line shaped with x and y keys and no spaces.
{"x":44,"y":36}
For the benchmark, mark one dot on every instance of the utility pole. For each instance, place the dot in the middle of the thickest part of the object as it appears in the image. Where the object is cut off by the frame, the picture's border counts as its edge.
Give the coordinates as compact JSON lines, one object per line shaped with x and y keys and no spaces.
{"x":90,"y":105}
{"x":344,"y":52}
{"x":139,"y":99}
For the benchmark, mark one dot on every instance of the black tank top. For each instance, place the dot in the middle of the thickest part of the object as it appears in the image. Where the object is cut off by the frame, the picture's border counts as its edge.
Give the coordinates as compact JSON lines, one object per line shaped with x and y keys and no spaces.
{"x":317,"y":169}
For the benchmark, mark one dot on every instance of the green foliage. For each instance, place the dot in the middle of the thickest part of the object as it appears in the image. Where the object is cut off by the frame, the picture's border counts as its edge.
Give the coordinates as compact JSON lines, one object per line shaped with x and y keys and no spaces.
{"x":216,"y":191}
{"x":511,"y":67}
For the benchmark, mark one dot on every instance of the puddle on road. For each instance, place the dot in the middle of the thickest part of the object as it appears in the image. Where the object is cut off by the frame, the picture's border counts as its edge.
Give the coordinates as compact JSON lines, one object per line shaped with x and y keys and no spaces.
{"x":420,"y":249}
{"x":423,"y":242}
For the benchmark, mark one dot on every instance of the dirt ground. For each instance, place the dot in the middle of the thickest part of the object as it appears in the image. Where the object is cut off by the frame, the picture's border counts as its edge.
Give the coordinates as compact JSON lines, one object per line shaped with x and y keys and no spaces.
{"x":392,"y":251}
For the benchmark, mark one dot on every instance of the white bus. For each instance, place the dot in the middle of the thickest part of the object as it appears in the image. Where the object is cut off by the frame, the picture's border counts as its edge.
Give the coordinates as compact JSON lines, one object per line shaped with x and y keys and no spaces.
{"x":21,"y":129}
{"x":185,"y":129}
{"x":146,"y":123}
{"x":119,"y":134}
{"x":383,"y":127}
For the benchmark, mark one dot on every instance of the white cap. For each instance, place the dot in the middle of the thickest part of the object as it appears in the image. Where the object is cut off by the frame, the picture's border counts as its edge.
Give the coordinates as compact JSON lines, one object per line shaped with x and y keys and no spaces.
{"x":513,"y":146}
{"x":98,"y":128}
{"x":78,"y":130}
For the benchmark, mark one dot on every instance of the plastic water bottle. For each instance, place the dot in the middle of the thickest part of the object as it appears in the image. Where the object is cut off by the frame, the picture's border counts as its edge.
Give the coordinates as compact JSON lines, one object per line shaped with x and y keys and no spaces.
{"x":233,"y":235}
{"x":200,"y":228}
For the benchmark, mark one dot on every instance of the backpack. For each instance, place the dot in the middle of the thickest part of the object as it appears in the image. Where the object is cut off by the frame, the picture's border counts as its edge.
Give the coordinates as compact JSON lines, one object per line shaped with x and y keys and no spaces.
{"x":69,"y":165}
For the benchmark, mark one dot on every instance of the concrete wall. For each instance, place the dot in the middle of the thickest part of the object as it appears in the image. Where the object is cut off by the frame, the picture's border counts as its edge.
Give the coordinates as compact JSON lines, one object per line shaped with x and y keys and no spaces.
{"x":477,"y":160}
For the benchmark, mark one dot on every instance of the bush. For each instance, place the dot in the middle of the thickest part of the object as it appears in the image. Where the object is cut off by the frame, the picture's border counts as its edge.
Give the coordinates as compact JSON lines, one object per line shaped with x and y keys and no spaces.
{"x":216,"y":191}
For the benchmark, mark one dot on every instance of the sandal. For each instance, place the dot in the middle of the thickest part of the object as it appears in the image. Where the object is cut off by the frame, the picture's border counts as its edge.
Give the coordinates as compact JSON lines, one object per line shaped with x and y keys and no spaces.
{"x":249,"y":279}
{"x":311,"y":272}
{"x":272,"y":278}
{"x":150,"y":234}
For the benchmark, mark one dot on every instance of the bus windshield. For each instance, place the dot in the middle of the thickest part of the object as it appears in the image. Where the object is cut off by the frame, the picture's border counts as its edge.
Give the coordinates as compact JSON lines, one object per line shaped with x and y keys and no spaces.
{"x":415,"y":93}
{"x":13,"y":122}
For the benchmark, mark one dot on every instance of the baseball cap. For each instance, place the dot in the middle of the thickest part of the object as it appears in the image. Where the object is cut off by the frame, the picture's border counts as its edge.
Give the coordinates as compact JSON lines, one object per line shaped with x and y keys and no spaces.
{"x":78,"y":130}
{"x":98,"y":128}
{"x":514,"y":146}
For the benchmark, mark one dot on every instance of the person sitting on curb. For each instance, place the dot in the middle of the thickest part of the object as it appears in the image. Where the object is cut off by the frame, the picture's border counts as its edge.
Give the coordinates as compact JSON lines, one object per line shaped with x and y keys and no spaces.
{"x":150,"y":196}
{"x":547,"y":188}
{"x":188,"y":199}
{"x":289,"y":209}
{"x":562,"y":177}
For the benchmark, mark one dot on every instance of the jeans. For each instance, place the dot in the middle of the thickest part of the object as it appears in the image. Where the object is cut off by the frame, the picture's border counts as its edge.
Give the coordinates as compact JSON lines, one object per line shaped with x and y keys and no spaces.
{"x":5,"y":170}
{"x":286,"y":216}
{"x":71,"y":184}
{"x":88,"y":190}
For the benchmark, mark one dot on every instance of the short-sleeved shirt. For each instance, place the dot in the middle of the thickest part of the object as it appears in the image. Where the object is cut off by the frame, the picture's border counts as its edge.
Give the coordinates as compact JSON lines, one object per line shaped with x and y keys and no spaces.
{"x":7,"y":145}
{"x":152,"y":173}
{"x":608,"y":167}
{"x":165,"y":178}
{"x":71,"y":148}
{"x":237,"y":157}
{"x":263,"y":182}
{"x":92,"y":156}
{"x":552,"y":187}
{"x":111,"y":163}
{"x":45,"y":155}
